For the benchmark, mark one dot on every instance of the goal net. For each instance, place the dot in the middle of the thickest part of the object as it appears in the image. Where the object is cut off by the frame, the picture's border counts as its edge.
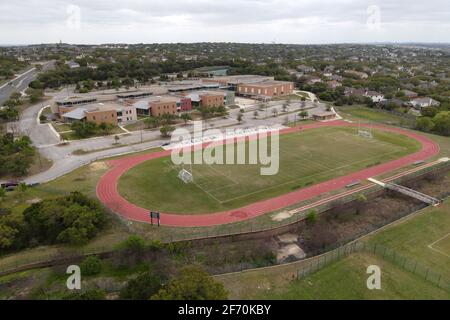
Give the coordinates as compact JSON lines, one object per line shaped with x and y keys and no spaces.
{"x":365,"y":134}
{"x":185,"y":176}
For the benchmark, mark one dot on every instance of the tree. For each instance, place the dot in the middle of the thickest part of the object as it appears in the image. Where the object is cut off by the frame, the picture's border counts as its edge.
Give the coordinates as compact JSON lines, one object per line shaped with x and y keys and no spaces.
{"x":425,"y":124}
{"x":192,"y":284}
{"x":22,"y":188}
{"x":91,"y":266}
{"x":166,"y":130}
{"x":442,"y":123}
{"x":16,"y":155}
{"x":152,"y":122}
{"x":72,"y":219}
{"x":186,"y":117}
{"x":312,"y":216}
{"x":303,"y":115}
{"x":84,"y":129}
{"x":142,"y":287}
{"x":2,"y":194}
{"x":91,"y":294}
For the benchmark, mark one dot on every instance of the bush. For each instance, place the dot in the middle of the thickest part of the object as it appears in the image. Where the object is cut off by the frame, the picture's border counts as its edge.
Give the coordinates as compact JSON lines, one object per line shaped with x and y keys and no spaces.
{"x":312,"y":216}
{"x":192,"y":284}
{"x":91,"y":266}
{"x":142,"y":287}
{"x":73,"y":219}
{"x":92,"y":294}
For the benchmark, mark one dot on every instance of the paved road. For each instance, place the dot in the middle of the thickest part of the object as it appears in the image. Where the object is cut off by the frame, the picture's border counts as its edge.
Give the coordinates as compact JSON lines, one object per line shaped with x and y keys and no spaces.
{"x":21,"y":82}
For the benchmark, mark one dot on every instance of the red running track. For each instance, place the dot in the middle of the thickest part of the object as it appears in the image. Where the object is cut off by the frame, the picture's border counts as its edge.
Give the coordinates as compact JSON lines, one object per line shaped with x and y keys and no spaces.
{"x":108,"y":194}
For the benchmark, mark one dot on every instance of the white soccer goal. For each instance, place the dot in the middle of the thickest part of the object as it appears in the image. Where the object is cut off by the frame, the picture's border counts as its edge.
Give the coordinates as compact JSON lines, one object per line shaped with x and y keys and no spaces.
{"x":185,"y":176}
{"x":365,"y":134}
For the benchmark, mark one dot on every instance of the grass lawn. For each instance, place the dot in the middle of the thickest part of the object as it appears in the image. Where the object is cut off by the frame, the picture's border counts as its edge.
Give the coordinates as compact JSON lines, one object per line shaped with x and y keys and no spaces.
{"x":409,"y":238}
{"x":375,"y":115}
{"x":344,"y":279}
{"x":71,"y":135}
{"x":425,"y":238}
{"x":306,"y":158}
{"x":61,"y":127}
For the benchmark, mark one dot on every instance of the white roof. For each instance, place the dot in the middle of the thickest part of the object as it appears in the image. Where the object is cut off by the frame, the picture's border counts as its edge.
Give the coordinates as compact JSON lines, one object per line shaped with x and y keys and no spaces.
{"x":76,"y":114}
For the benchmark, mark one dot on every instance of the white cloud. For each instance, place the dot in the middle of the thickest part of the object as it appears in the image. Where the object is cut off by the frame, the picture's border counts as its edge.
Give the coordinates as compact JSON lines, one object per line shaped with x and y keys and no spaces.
{"x":289,"y":21}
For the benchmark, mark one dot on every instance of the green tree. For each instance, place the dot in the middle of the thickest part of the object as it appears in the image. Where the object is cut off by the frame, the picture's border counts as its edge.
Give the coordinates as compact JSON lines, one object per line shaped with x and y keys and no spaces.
{"x":152,"y":122}
{"x":186,"y":117}
{"x":429,"y":112}
{"x":166,"y":130}
{"x":425,"y":124}
{"x":142,"y":287}
{"x":73,"y":219}
{"x":2,"y":194}
{"x":312,"y":216}
{"x":192,"y":284}
{"x":91,"y":294}
{"x":303,"y":115}
{"x":91,"y":266}
{"x":442,"y":123}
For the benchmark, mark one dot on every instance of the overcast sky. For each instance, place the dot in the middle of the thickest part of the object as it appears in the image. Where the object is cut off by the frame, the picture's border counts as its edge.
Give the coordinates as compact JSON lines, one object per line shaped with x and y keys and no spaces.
{"x":256,"y":21}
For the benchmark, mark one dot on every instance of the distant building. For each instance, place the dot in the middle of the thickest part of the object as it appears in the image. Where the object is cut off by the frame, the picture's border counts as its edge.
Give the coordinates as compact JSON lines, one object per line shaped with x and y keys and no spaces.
{"x":313,"y":80}
{"x":232,"y":82}
{"x":156,"y":106}
{"x":410,"y":94}
{"x":98,"y":113}
{"x":333,"y":84}
{"x":305,"y":69}
{"x":266,"y":89}
{"x":207,"y":98}
{"x":214,"y":71}
{"x":323,"y":115}
{"x":358,"y":74}
{"x":72,"y":64}
{"x":375,"y":96}
{"x":424,"y":102}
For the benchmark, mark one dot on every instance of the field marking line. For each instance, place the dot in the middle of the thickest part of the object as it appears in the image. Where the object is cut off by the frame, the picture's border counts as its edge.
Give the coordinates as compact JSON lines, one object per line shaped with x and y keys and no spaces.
{"x":448,"y":234}
{"x":297,"y":179}
{"x":174,"y":167}
{"x":437,"y":250}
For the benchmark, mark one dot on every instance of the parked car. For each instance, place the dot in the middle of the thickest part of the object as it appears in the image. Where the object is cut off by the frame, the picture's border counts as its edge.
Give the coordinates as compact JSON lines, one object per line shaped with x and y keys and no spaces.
{"x":7,"y":185}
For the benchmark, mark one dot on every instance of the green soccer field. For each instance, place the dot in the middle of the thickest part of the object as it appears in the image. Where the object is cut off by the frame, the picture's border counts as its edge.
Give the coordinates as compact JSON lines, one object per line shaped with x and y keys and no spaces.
{"x":306,"y":158}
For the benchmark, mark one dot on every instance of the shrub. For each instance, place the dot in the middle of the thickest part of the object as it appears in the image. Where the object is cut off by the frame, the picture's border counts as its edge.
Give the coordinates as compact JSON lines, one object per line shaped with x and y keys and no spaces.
{"x":92,"y":294}
{"x":312,"y":216}
{"x":142,"y":287}
{"x":192,"y":284}
{"x":91,"y":266}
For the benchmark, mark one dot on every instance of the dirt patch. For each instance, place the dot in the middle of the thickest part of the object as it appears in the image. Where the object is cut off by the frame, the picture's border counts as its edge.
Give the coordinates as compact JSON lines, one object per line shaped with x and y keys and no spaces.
{"x":282,"y":216}
{"x":288,"y":238}
{"x":97,"y":166}
{"x":291,"y":250}
{"x":33,"y":201}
